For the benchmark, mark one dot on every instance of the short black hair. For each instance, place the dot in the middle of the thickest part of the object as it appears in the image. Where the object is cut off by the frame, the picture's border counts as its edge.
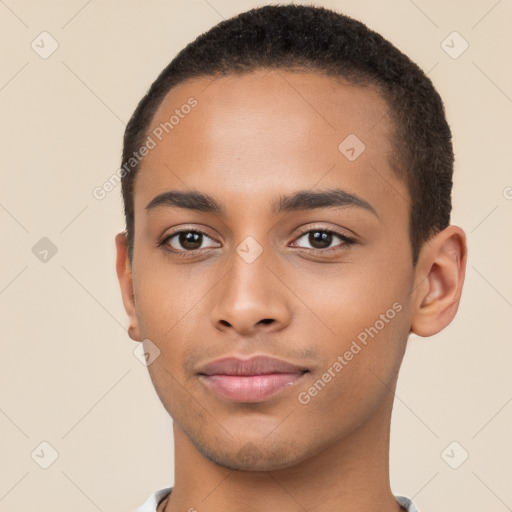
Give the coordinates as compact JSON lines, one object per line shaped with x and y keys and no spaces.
{"x":317,"y":39}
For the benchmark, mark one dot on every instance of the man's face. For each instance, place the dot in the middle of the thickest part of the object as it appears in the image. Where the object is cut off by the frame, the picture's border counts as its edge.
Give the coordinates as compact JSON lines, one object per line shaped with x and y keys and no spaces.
{"x":312,"y":284}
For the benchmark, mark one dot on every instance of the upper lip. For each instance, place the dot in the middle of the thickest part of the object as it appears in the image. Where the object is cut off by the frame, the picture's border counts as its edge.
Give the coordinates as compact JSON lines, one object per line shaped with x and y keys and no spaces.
{"x":256,"y":365}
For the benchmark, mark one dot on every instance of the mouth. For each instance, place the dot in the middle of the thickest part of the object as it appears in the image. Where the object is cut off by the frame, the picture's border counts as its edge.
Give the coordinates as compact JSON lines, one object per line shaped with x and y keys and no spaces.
{"x":250,"y":380}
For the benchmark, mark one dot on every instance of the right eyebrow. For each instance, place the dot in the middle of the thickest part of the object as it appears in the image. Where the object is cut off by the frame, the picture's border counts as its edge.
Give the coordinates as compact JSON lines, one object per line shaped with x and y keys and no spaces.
{"x":190,"y":200}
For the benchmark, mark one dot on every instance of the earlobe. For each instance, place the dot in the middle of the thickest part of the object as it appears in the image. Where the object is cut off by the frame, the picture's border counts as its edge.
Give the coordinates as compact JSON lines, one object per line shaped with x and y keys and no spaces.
{"x":439,"y":279}
{"x":124,"y":275}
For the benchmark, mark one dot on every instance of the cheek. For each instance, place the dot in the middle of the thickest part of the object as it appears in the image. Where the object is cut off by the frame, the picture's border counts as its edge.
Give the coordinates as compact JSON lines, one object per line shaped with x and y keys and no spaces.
{"x":168,"y":302}
{"x":360,"y":365}
{"x":367,"y":312}
{"x":364,"y":322}
{"x":345,"y":300}
{"x":168,"y":298}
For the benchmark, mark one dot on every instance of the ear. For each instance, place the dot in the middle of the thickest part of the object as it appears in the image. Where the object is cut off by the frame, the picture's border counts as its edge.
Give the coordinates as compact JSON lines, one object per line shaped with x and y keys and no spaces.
{"x":124,"y":274}
{"x":438,"y":283}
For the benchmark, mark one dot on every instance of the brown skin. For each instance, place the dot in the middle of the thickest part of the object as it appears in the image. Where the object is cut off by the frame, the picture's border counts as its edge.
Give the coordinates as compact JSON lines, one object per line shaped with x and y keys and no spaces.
{"x":251,"y":139}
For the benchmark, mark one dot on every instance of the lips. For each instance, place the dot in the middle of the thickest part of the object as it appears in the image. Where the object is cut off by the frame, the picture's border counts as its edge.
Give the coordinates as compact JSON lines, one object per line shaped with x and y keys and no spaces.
{"x":256,"y":365}
{"x":250,"y":380}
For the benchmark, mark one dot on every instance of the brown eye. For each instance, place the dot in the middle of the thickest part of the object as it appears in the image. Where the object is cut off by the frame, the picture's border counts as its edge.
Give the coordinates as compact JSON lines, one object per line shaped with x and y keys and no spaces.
{"x":318,"y":239}
{"x":188,"y":241}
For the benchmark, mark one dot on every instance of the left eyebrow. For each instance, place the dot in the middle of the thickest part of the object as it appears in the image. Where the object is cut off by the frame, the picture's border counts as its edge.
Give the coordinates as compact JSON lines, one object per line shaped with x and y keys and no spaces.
{"x":332,"y":198}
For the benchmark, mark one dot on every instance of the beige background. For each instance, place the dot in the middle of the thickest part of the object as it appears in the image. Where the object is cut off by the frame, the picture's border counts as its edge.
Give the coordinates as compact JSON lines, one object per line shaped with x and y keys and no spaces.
{"x":68,"y":375}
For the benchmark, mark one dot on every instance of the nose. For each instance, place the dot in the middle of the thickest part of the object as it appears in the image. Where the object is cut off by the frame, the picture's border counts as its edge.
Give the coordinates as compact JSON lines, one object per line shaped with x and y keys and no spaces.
{"x":250,"y":300}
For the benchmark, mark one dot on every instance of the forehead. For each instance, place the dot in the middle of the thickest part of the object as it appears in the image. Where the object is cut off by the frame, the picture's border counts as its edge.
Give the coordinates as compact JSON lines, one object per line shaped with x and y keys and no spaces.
{"x":289,"y":101}
{"x":250,"y":133}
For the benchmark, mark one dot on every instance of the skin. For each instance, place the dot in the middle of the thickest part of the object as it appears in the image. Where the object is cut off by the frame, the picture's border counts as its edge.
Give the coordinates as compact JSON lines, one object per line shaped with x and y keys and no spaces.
{"x":250,"y":140}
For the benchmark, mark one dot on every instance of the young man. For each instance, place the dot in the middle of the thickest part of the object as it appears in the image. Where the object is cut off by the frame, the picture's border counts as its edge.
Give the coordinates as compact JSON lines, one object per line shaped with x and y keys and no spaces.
{"x":287,"y":184}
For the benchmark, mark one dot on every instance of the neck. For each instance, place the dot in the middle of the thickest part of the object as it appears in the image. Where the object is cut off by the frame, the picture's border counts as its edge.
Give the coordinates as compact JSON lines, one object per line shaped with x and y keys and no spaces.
{"x":350,"y":475}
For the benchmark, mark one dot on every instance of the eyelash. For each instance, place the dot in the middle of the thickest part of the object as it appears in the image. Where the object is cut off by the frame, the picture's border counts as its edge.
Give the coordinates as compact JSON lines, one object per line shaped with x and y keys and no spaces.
{"x":347,"y":242}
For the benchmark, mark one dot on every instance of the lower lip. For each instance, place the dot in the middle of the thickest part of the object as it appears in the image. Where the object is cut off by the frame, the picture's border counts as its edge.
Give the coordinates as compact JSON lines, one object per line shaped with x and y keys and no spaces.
{"x":250,"y":388}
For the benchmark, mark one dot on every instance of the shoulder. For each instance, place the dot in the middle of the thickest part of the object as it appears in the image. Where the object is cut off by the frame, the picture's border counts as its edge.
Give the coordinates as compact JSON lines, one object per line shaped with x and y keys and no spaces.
{"x":151,"y":504}
{"x":406,"y":503}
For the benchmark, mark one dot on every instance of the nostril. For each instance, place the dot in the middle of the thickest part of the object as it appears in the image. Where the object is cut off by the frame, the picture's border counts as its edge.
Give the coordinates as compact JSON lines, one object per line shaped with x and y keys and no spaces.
{"x":266,"y":321}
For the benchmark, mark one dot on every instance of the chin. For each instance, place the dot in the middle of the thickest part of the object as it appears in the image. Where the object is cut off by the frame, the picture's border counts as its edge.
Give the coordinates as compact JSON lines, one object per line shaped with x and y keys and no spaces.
{"x":251,"y":457}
